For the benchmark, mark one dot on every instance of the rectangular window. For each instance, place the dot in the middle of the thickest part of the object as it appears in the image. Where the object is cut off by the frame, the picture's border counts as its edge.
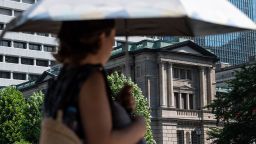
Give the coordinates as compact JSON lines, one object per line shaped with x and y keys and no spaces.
{"x":191,"y":101}
{"x":180,"y":136}
{"x":43,"y":34}
{"x":5,"y":75}
{"x":35,"y":47}
{"x":1,"y":26}
{"x":189,"y":74}
{"x":195,"y":137}
{"x":28,"y":33}
{"x":11,"y":59}
{"x":176,"y":73}
{"x":183,"y":101}
{"x":19,"y":76}
{"x":177,"y":102}
{"x":21,"y":45}
{"x":33,"y":77}
{"x":6,"y":43}
{"x":1,"y":58}
{"x":17,"y":13}
{"x":49,"y":48}
{"x":27,"y":61}
{"x":5,"y":11}
{"x":42,"y":63}
{"x":28,"y":1}
{"x":52,"y":63}
{"x":182,"y":74}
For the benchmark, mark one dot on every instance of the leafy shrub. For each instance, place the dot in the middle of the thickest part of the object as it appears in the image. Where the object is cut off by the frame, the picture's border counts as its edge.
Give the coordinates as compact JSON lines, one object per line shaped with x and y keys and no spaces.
{"x":19,"y":117}
{"x":116,"y":82}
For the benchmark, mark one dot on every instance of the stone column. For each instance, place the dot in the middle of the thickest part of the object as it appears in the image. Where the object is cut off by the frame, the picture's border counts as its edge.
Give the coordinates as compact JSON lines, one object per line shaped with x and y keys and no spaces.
{"x":213,"y":80}
{"x":203,"y":99}
{"x":180,"y":101}
{"x":149,"y":91}
{"x":170,"y":86}
{"x":188,"y":106}
{"x":162,"y":84}
{"x":209,"y":86}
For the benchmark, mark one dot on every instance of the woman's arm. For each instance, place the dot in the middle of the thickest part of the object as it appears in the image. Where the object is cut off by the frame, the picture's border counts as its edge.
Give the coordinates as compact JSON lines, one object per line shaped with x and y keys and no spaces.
{"x":96,"y":116}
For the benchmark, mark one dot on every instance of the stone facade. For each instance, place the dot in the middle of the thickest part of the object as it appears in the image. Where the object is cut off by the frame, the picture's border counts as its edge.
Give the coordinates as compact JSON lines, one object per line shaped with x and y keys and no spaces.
{"x":178,"y":81}
{"x":227,"y":73}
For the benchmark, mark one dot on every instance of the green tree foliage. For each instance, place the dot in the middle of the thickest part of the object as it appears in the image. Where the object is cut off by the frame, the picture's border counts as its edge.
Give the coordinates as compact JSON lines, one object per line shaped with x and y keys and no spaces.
{"x":12,"y":116}
{"x":116,"y":83}
{"x":33,"y":113}
{"x":19,"y":117}
{"x":236,"y":110}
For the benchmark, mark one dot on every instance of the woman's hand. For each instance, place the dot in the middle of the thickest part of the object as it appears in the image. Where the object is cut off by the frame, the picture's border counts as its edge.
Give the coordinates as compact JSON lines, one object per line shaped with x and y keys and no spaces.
{"x":140,"y":122}
{"x":126,"y":99}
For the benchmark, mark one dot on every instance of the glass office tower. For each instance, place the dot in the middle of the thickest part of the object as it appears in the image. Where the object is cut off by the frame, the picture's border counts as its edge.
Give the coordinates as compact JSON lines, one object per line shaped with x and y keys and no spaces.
{"x":232,"y":48}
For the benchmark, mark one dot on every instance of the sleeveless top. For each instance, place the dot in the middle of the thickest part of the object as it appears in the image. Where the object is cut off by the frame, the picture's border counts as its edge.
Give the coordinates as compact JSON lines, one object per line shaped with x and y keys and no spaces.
{"x":63,"y":93}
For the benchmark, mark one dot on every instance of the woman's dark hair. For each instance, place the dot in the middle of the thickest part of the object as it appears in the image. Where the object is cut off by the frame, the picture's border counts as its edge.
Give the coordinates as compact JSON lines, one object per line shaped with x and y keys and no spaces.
{"x":79,"y":38}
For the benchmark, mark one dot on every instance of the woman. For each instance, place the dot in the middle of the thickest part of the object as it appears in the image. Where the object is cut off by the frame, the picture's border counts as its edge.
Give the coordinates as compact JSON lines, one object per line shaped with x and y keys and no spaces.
{"x":81,"y":90}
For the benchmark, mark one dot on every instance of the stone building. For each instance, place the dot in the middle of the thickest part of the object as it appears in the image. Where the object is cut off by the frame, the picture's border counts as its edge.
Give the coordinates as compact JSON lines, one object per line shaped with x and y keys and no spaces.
{"x":178,"y":79}
{"x":225,"y":73}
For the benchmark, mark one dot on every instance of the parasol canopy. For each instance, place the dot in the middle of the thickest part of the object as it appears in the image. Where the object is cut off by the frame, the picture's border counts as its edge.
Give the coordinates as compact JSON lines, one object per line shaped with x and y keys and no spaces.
{"x":137,"y":17}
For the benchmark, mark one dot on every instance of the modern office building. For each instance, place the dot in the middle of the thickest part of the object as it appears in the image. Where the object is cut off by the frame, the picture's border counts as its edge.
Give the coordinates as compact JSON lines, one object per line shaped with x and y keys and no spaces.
{"x":23,"y":56}
{"x":232,"y":48}
{"x":178,"y":79}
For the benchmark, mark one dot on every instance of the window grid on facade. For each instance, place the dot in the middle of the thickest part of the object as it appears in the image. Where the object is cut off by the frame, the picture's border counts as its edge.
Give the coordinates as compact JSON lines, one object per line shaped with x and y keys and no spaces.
{"x":28,"y":1}
{"x":52,"y":63}
{"x":21,"y":45}
{"x":1,"y":58}
{"x":180,"y":73}
{"x":6,"y":43}
{"x":176,"y":98}
{"x":195,"y":138}
{"x":176,"y":73}
{"x":191,"y":101}
{"x":42,"y":63}
{"x":35,"y":47}
{"x":183,"y":101}
{"x":33,"y":77}
{"x":42,"y":34}
{"x":180,"y":136}
{"x":2,"y":26}
{"x":5,"y":75}
{"x":11,"y":59}
{"x":27,"y":61}
{"x":19,"y":76}
{"x":5,"y":11}
{"x":48,"y":48}
{"x":17,"y":12}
